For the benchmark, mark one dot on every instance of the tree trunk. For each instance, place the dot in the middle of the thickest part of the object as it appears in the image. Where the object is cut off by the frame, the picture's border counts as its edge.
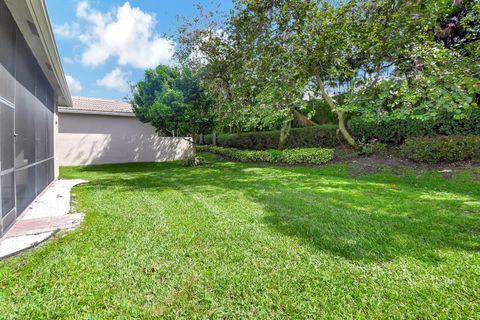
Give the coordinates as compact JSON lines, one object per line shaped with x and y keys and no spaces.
{"x":284,"y":133}
{"x":343,"y":128}
{"x":214,"y":138}
{"x":194,"y":145}
{"x":302,"y":120}
{"x":200,"y":139}
{"x":333,"y":106}
{"x":191,"y":140}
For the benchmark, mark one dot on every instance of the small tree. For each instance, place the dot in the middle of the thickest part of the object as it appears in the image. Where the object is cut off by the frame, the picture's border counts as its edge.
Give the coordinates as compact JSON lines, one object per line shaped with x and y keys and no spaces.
{"x":173,"y":101}
{"x":264,"y":31}
{"x":205,"y":48}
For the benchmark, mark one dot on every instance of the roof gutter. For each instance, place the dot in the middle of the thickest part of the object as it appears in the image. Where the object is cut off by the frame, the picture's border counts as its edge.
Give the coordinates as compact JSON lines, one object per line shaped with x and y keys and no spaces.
{"x":41,"y":41}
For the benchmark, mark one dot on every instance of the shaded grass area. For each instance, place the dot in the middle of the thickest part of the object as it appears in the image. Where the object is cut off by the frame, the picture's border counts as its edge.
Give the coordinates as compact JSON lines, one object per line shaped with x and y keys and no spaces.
{"x":231,"y":240}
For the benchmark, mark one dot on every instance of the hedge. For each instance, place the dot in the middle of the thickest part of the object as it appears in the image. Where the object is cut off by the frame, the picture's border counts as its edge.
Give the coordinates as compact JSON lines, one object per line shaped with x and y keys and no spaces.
{"x":322,"y":136}
{"x":290,"y":156}
{"x":442,"y":148}
{"x":390,"y":130}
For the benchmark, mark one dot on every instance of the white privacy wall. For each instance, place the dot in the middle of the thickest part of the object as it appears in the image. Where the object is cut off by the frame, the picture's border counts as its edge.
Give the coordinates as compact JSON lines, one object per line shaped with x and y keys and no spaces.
{"x":100,"y":139}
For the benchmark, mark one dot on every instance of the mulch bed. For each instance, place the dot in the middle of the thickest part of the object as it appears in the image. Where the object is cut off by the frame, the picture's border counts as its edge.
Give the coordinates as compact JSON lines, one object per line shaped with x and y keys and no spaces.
{"x":375,"y":164}
{"x":365,"y":165}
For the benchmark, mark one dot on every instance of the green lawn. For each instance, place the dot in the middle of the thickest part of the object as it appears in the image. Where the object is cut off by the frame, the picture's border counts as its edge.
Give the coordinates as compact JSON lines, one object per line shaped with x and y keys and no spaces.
{"x":231,"y":240}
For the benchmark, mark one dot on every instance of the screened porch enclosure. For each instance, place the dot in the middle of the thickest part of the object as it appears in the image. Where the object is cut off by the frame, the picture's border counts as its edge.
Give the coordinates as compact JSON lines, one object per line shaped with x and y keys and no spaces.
{"x":27,"y":105}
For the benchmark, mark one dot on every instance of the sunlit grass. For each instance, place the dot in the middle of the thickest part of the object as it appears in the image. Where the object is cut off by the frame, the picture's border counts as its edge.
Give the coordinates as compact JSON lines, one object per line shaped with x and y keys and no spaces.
{"x":231,"y":240}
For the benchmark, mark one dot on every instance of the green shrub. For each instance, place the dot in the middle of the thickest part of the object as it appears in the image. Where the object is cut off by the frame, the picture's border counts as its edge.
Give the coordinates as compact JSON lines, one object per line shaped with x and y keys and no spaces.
{"x":442,"y":148}
{"x":194,"y":160}
{"x":290,"y":156}
{"x":322,"y":136}
{"x":307,"y":155}
{"x":378,"y":148}
{"x":390,"y":130}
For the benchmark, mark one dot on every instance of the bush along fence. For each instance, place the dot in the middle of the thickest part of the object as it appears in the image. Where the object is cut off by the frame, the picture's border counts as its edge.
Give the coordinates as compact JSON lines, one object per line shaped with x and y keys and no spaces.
{"x":442,"y":148}
{"x":289,"y":156}
{"x":321,"y":136}
{"x":392,"y":130}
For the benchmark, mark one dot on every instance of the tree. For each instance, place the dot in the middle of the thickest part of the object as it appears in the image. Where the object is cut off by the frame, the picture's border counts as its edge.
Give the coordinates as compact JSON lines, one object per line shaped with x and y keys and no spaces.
{"x":389,"y":50}
{"x":173,"y":101}
{"x":272,"y":29}
{"x":243,"y":66}
{"x":413,"y":58}
{"x":433,"y":60}
{"x":204,"y":48}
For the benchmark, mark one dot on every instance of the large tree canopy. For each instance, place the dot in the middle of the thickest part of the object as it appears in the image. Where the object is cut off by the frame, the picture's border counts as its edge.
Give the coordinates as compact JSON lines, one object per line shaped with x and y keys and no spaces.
{"x":254,"y":70}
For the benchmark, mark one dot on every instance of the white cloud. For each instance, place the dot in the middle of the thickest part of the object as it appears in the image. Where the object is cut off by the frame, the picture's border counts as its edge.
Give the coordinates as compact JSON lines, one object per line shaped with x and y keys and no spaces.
{"x":67,"y":30}
{"x":116,"y":79}
{"x":74,"y":85}
{"x":125,"y":33}
{"x":68,"y":60}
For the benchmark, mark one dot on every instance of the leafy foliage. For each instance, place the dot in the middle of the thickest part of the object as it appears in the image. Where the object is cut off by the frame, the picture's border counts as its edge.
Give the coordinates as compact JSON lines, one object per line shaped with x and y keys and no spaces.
{"x":442,"y":148}
{"x":434,"y":71}
{"x":376,"y":148}
{"x":387,"y":128}
{"x":324,"y":136}
{"x":195,"y":160}
{"x":173,"y":101}
{"x":290,"y":156}
{"x":409,"y":59}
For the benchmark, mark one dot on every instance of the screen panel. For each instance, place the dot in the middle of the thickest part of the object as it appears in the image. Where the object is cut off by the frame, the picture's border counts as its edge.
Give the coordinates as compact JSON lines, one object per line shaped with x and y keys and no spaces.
{"x":24,"y":128}
{"x":8,"y":220}
{"x":51,"y":170}
{"x":50,"y":136}
{"x":7,"y":53}
{"x":50,"y":119}
{"x":8,"y":193}
{"x":25,"y":187}
{"x":25,"y":64}
{"x":6,"y":137}
{"x":25,"y":103}
{"x":41,"y":179}
{"x":40,"y":111}
{"x":41,"y":128}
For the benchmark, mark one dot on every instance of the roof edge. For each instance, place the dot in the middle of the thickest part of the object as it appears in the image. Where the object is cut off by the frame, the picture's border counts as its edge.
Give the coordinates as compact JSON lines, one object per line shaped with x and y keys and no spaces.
{"x":91,"y":112}
{"x":36,"y":11}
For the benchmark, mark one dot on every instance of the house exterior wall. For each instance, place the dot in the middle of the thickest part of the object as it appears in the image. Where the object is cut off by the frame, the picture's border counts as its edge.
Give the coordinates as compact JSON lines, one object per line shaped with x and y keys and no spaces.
{"x":27,"y":107}
{"x":100,"y":139}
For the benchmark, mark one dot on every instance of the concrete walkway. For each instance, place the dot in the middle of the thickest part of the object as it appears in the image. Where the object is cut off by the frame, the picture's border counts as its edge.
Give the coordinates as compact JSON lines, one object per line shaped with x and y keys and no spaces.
{"x":49,"y":213}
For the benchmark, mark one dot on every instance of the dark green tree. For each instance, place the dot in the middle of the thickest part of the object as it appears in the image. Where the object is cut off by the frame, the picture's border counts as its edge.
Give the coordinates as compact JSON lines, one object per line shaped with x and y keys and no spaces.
{"x":174,"y":102}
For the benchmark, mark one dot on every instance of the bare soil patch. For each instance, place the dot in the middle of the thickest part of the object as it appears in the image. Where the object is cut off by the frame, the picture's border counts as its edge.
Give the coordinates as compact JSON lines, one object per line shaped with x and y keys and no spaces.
{"x":375,"y":164}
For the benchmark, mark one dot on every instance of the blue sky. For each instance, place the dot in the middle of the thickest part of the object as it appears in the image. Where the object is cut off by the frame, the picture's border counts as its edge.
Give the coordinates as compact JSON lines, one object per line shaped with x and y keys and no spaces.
{"x":105,"y":44}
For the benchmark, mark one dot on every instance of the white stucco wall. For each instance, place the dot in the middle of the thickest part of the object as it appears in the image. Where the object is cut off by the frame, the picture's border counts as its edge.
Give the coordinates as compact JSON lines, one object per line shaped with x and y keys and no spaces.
{"x":99,"y":139}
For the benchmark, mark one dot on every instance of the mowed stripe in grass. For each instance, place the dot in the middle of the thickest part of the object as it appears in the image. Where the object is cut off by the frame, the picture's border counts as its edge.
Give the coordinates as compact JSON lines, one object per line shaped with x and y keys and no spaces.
{"x":231,"y":240}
